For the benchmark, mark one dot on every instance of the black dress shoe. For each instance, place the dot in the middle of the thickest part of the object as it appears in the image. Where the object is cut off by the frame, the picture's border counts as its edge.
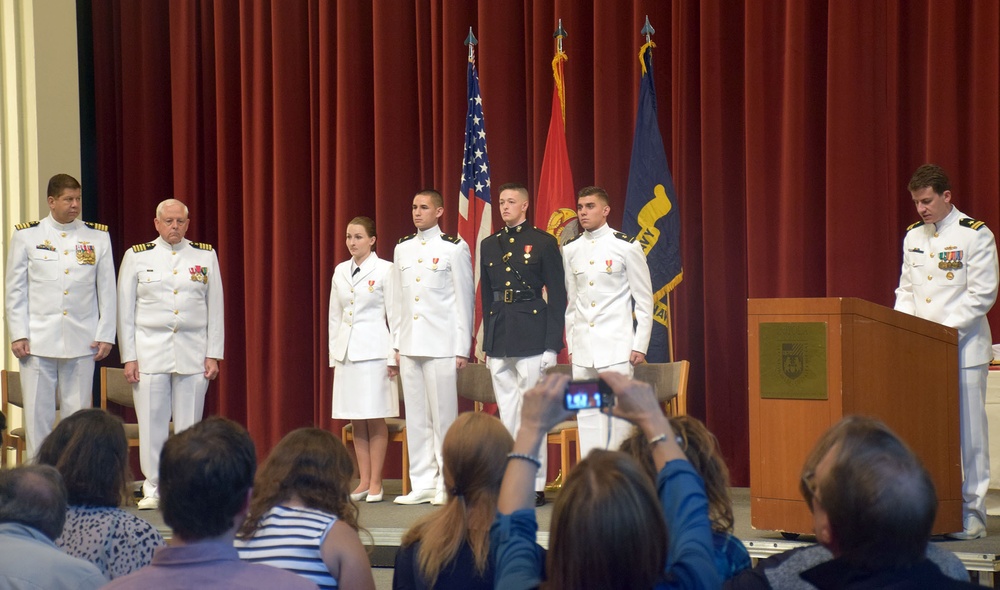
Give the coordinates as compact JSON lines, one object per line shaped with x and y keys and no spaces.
{"x":539,"y":498}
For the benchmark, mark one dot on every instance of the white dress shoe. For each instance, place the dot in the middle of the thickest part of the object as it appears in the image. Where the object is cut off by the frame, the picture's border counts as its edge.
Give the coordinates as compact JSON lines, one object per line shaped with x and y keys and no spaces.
{"x":974,"y":529}
{"x":416,"y":497}
{"x":149,"y":503}
{"x":372,"y":498}
{"x":359,"y":496}
{"x":440,"y":499}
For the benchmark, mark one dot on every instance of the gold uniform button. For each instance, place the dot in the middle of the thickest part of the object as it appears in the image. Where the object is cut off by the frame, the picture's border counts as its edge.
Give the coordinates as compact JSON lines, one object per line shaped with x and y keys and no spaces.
{"x":935,"y":234}
{"x":414,"y":316}
{"x":507,"y":284}
{"x":349,"y":324}
{"x":591,"y":283}
{"x":175,"y":271}
{"x":173,"y":253}
{"x":928,"y":300}
{"x":592,"y":262}
{"x":418,"y":279}
{"x":175,"y":291}
{"x":176,"y":311}
{"x":932,"y":255}
{"x":352,"y":290}
{"x":66,"y":252}
{"x":350,"y":313}
{"x":534,"y":311}
{"x":66,"y":292}
{"x":352,"y":302}
{"x":930,"y":278}
{"x":591,"y":324}
{"x":66,"y":271}
{"x":417,"y":298}
{"x":65,"y":312}
{"x":593,"y":304}
{"x":507,"y":269}
{"x":175,"y":330}
{"x":420,"y":259}
{"x":63,"y":234}
{"x":512,"y":240}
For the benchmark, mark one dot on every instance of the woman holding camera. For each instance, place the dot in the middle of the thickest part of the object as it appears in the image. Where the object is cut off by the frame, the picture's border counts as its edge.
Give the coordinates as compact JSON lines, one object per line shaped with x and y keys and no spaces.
{"x":610,"y":528}
{"x":361,"y":353}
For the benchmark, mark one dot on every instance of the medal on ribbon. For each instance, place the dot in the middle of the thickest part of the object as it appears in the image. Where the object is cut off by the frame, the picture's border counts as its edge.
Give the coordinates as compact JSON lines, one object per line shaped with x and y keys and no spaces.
{"x":199,"y":274}
{"x":371,"y":286}
{"x":527,"y":251}
{"x":608,"y":262}
{"x":435,"y":261}
{"x":85,"y":253}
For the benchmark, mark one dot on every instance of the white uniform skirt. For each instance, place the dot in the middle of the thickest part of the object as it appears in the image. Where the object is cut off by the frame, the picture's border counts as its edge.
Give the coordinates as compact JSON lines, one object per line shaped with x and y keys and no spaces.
{"x":362,"y":390}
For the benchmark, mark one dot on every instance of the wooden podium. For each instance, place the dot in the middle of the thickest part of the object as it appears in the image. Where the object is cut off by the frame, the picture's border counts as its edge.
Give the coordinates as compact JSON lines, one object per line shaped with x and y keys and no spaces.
{"x":813,"y":361}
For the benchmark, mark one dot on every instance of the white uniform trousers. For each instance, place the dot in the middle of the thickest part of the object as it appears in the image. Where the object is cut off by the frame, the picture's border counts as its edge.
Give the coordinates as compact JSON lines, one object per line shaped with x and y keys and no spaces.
{"x":155,"y":396}
{"x":975,"y":439}
{"x":512,"y":376}
{"x":430,"y":392}
{"x":42,"y":378}
{"x":593,"y":425}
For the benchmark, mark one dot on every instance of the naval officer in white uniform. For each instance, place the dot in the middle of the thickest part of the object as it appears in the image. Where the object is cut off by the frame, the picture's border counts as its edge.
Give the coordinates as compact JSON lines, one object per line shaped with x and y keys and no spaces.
{"x":170,"y":332}
{"x":607,"y":278}
{"x":60,"y":308}
{"x":361,"y":353}
{"x":949,"y":276}
{"x":436,"y":296}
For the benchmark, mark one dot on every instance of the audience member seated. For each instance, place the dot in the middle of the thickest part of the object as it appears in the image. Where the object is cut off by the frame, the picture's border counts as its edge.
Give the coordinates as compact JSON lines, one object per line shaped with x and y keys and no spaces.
{"x":301,"y":516}
{"x":608,"y":529}
{"x":206,"y":473}
{"x":32,"y":511}
{"x":90,"y":451}
{"x":449,"y":549}
{"x":782,"y":571}
{"x":873,"y":506}
{"x":702,"y":450}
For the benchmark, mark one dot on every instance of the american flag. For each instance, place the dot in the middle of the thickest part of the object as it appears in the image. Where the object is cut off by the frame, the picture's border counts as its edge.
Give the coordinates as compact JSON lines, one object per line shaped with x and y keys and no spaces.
{"x":475,"y":220}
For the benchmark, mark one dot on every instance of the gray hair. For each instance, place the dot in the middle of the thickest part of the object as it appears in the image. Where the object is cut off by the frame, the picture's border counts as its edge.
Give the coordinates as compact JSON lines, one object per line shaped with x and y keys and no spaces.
{"x":34,"y":495}
{"x":169,"y":203}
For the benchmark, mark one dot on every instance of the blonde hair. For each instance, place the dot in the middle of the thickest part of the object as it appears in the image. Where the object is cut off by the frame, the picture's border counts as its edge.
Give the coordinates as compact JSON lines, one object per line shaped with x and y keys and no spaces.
{"x":475,"y":458}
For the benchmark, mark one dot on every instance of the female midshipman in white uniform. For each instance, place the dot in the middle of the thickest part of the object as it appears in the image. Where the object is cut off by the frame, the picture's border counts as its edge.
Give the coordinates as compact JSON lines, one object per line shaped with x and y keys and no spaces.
{"x":361,"y":352}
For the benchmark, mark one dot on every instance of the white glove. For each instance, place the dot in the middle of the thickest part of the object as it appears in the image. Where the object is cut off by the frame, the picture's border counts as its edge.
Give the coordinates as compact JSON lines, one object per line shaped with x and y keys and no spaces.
{"x":548,"y":360}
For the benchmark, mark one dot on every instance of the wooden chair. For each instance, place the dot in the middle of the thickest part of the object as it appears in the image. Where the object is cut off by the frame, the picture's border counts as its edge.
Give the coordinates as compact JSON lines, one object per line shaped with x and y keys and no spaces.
{"x":565,"y":433}
{"x":13,"y":438}
{"x":669,"y":381}
{"x":397,"y":433}
{"x":116,"y":389}
{"x":476,"y":383}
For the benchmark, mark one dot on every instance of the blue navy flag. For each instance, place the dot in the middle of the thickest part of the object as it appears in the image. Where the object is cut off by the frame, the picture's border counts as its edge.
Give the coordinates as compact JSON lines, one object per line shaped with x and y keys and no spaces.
{"x":651,"y":213}
{"x":475,"y":219}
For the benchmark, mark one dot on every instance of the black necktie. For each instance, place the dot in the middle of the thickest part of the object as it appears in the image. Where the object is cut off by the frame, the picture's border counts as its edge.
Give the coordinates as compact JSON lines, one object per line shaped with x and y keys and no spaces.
{"x":357,"y":269}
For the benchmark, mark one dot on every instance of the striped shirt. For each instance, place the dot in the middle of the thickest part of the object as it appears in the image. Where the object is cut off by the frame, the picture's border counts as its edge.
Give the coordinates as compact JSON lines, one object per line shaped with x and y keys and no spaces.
{"x":290,"y":539}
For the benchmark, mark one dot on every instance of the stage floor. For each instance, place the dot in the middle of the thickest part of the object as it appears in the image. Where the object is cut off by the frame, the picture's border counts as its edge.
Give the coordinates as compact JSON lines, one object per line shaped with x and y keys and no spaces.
{"x":386,"y":522}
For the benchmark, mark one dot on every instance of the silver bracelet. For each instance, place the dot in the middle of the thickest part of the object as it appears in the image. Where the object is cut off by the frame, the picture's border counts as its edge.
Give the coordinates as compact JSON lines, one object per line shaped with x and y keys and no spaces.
{"x":528,"y":458}
{"x":657,"y":440}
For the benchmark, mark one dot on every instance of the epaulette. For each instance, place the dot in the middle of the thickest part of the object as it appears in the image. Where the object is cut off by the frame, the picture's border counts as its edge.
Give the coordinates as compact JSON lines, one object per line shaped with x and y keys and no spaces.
{"x":914,"y":225}
{"x":452,"y":239}
{"x":972,"y":223}
{"x":201,"y":246}
{"x":25,"y":225}
{"x":97,"y":226}
{"x":573,"y":239}
{"x":405,"y":238}
{"x":623,"y":236}
{"x":143,"y":247}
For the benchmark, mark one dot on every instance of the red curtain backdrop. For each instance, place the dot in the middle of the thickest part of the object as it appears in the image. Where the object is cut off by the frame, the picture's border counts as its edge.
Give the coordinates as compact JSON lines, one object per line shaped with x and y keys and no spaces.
{"x":791,"y":130}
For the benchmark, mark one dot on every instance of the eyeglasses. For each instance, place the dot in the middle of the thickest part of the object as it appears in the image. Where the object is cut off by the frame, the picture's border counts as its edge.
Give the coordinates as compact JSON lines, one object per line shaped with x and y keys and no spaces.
{"x":809,"y":487}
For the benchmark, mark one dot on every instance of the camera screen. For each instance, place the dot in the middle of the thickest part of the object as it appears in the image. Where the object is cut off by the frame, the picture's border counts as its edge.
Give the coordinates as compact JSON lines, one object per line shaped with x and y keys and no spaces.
{"x":582,"y":395}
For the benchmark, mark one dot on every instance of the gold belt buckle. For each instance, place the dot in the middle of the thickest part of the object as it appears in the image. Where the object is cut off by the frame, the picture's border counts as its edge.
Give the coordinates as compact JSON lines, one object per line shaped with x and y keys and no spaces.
{"x":508,"y":296}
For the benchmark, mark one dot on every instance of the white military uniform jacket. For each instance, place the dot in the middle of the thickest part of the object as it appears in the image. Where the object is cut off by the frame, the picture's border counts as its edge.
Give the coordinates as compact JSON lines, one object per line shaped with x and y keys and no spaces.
{"x":605,"y":272}
{"x":170,"y":309}
{"x":361,"y":303}
{"x":949,"y":276}
{"x":436,"y":296}
{"x":61,"y":287}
